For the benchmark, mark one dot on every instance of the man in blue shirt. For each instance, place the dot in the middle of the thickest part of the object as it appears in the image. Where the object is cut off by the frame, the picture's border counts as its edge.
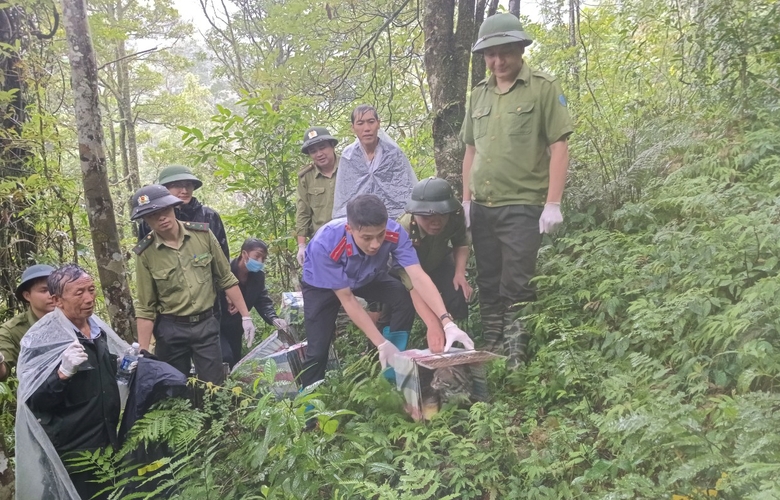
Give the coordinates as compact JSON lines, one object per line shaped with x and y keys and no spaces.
{"x":348,"y":258}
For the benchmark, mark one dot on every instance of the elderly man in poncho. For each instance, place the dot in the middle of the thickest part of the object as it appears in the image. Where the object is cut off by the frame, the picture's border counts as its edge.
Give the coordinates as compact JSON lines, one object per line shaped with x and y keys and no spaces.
{"x":68,"y":400}
{"x":373,"y":164}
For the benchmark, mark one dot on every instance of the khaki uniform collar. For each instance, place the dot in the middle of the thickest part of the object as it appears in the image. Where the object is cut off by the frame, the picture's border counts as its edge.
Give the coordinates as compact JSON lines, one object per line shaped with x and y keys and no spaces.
{"x":183,"y":232}
{"x":524,"y":76}
{"x":31,"y":317}
{"x":319,"y":172}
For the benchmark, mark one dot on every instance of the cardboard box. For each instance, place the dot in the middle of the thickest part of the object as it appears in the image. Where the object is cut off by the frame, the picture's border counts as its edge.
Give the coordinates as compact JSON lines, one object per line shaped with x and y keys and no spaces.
{"x":430,"y":380}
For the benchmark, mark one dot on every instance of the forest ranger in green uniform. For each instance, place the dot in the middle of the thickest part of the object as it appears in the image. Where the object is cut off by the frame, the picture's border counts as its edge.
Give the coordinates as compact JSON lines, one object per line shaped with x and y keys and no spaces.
{"x":34,"y":292}
{"x":316,"y":185}
{"x":437,"y":228}
{"x":178,"y":265}
{"x":514,"y":170}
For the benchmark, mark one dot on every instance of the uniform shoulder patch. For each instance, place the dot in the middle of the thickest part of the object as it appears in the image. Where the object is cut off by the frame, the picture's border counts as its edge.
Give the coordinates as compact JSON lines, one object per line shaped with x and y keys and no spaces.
{"x":546,"y":76}
{"x":339,"y":250}
{"x":197,"y":226}
{"x":391,"y":236}
{"x":414,"y":233}
{"x":306,"y":170}
{"x":143,"y":244}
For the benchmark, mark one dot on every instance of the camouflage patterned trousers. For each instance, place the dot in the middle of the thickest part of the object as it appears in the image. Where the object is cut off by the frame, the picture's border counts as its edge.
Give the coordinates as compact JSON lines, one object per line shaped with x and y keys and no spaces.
{"x":506,"y":242}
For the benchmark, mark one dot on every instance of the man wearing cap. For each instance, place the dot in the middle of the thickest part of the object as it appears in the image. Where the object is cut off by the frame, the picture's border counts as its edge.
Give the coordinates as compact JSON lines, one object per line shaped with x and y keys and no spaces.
{"x":178,"y":265}
{"x":182,"y":183}
{"x":437,"y":229}
{"x":347,"y":258}
{"x":514,"y":170}
{"x":34,"y":292}
{"x":316,"y":184}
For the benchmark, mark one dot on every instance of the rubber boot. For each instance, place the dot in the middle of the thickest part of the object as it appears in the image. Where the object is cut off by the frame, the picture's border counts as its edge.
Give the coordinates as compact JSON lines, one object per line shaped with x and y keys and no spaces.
{"x":492,"y":327}
{"x":516,"y":339}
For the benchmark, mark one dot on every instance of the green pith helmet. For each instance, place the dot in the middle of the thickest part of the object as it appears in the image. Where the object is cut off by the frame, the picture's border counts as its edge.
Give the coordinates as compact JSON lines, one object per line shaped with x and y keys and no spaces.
{"x":150,"y":199}
{"x":29,"y":275}
{"x":173,"y":173}
{"x":315,"y":135}
{"x":432,"y":196}
{"x":500,"y":29}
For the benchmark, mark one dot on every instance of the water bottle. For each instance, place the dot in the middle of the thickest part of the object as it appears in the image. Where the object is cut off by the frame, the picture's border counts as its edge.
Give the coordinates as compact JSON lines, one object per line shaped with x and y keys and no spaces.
{"x":123,"y":373}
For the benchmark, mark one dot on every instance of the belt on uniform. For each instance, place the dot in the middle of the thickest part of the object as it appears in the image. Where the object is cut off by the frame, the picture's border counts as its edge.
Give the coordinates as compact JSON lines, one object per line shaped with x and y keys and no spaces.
{"x":196,"y":318}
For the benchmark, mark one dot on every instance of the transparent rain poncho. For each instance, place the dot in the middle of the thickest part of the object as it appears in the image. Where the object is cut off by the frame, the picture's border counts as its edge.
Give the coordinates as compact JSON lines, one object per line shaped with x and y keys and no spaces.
{"x":39,"y":471}
{"x":389,"y":176}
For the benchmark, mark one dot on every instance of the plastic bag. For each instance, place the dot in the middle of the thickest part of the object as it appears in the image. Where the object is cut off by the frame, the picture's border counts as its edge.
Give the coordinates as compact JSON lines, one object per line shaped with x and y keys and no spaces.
{"x":390,"y":176}
{"x":288,"y":358}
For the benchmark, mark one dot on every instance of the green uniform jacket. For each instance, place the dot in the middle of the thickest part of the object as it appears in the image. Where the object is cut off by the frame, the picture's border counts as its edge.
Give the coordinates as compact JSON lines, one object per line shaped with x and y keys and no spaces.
{"x":511,"y":133}
{"x":11,"y":333}
{"x":433,"y":249}
{"x":315,"y":200}
{"x":180,"y":282}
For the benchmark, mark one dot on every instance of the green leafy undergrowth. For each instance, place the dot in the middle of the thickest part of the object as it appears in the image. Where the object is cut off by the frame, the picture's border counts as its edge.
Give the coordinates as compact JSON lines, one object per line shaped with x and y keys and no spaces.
{"x":655,"y":372}
{"x":657,"y":334}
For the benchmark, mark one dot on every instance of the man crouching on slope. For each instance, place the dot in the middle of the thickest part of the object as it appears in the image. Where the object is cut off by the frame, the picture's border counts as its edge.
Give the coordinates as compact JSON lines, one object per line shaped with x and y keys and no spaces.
{"x":348,"y":258}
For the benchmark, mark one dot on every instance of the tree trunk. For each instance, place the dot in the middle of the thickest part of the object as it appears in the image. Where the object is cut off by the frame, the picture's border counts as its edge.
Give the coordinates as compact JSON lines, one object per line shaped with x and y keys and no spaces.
{"x":114,"y":177}
{"x":123,"y":148}
{"x":17,"y":233}
{"x":574,"y":22}
{"x":123,"y":209}
{"x":484,"y":9}
{"x":126,"y":106}
{"x":447,"y":52}
{"x":100,"y":207}
{"x":514,"y":7}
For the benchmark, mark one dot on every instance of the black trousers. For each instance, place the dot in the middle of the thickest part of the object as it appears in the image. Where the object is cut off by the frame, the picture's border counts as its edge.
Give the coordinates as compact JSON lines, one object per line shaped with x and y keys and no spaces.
{"x":321,"y":306}
{"x":454,"y":300}
{"x":83,"y":480}
{"x":87,"y":489}
{"x":231,"y":340}
{"x":506,"y":242}
{"x":178,"y":343}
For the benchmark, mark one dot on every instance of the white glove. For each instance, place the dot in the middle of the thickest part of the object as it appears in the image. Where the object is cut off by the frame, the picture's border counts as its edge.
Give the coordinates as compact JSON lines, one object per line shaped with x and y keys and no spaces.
{"x":249,"y":330}
{"x":387,"y":352}
{"x":280,"y":324}
{"x":551,"y":218}
{"x":467,"y":212}
{"x":73,"y":356}
{"x":454,"y":334}
{"x":301,"y":254}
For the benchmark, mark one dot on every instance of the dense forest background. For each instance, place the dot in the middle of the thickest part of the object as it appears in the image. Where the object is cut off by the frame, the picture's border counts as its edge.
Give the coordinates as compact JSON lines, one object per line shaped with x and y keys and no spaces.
{"x":656,"y":361}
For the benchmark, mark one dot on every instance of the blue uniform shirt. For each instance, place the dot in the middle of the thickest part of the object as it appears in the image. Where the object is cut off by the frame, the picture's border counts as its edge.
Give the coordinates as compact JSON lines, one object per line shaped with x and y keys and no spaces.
{"x":334,"y":261}
{"x":94,"y":329}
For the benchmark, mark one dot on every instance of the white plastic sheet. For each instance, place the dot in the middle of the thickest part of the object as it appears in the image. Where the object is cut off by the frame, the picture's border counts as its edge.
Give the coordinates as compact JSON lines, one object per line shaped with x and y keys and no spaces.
{"x":39,"y":471}
{"x":390,"y":176}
